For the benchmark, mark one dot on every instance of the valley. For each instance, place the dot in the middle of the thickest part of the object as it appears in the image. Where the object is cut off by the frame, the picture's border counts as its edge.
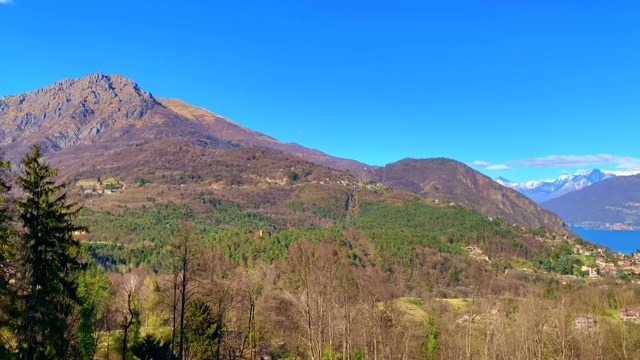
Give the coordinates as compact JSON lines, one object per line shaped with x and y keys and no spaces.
{"x":203,"y":237}
{"x":328,"y":180}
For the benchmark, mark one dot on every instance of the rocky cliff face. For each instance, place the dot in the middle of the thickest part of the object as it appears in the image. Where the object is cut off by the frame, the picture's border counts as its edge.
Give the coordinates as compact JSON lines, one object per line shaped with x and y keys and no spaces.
{"x":71,"y":111}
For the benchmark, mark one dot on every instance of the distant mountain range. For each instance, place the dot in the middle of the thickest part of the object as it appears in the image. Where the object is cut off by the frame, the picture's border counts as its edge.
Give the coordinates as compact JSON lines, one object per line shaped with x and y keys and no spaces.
{"x":545,"y":190}
{"x":611,"y":203}
{"x":106,"y":125}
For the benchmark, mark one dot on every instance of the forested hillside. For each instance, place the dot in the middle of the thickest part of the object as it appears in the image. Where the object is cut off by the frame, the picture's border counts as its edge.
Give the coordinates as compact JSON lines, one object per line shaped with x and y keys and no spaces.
{"x":342,"y":271}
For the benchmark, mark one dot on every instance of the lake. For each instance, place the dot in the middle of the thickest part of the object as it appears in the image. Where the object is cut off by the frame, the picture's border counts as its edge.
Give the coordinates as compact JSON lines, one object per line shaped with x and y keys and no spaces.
{"x":624,"y":241}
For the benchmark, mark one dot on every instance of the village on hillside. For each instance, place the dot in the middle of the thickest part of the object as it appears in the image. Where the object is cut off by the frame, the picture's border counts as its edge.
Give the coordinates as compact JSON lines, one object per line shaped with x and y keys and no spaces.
{"x":588,"y":261}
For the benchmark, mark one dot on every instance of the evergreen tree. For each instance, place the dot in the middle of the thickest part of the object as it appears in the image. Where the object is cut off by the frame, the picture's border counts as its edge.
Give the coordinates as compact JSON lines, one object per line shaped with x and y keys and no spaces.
{"x":432,"y":342}
{"x":5,"y":213}
{"x":150,"y":348}
{"x":48,"y":261}
{"x":7,"y":299}
{"x":202,"y":331}
{"x":136,"y":324}
{"x":5,"y":220}
{"x":86,"y":329}
{"x":94,"y":291}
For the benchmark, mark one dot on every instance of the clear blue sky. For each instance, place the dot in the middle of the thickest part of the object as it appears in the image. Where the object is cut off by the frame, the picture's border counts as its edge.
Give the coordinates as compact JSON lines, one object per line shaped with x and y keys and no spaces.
{"x":498,"y":83}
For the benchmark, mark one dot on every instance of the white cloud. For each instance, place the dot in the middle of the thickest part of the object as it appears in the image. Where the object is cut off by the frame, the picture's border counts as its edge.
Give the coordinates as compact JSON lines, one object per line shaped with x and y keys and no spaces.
{"x":498,"y":167}
{"x":577,"y":160}
{"x":482,"y":164}
{"x":488,"y":166}
{"x":6,"y":1}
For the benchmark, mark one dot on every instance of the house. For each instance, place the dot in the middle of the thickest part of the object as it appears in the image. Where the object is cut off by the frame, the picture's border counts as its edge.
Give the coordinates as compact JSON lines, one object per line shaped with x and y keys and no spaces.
{"x":484,"y":257}
{"x":593,"y":273}
{"x":628,"y":314}
{"x":632,"y":269}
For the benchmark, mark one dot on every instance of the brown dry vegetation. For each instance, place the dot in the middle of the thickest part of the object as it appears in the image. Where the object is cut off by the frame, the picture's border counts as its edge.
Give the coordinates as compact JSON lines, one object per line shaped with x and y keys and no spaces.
{"x":314,"y":305}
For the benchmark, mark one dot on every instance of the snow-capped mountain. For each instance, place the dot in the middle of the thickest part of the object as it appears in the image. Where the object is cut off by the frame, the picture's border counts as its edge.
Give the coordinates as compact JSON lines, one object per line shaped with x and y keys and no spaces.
{"x":543,"y":190}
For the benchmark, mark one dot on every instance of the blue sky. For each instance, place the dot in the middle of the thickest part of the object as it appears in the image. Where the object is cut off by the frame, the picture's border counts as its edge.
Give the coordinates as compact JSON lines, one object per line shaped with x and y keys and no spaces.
{"x":521,"y":89}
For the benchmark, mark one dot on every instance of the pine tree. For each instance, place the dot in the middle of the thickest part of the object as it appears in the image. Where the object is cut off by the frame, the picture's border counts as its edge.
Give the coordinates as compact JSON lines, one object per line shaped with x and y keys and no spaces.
{"x":94,"y":290}
{"x":7,"y":295}
{"x":49,"y":261}
{"x":202,"y":331}
{"x":5,"y":213}
{"x":5,"y":220}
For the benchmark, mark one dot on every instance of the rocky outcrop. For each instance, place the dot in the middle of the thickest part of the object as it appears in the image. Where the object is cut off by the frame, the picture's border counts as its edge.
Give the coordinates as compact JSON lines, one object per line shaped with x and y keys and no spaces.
{"x":72,"y":111}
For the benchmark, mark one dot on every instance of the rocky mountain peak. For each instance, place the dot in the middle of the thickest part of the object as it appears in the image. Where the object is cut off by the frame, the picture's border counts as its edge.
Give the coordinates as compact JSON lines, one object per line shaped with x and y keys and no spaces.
{"x":72,"y":111}
{"x":83,"y":95}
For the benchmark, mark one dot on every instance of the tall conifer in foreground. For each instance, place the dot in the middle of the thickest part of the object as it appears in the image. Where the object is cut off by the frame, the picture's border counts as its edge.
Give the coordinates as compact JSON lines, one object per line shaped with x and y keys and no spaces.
{"x":6,"y":229}
{"x":6,"y":232}
{"x":49,"y":261}
{"x":5,"y":211}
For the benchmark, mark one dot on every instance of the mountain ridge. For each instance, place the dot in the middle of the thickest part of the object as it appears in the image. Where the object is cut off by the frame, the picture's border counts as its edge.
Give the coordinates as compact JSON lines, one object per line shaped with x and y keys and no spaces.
{"x":544,"y":190}
{"x":87,"y":106}
{"x":100,"y":113}
{"x":608,"y":203}
{"x":442,"y":178}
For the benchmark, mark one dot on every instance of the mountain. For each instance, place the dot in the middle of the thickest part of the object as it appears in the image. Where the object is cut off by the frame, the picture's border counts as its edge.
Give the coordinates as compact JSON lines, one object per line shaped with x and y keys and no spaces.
{"x":112,"y":110}
{"x":96,"y":109}
{"x":236,"y":134}
{"x":543,"y":190}
{"x":454,"y":181}
{"x":603,"y":204}
{"x":101,"y":124}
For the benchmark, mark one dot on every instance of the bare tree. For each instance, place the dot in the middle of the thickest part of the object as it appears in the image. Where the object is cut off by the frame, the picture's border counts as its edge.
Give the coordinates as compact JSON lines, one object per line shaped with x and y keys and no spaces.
{"x":218,"y":287}
{"x":311,"y":286}
{"x":184,"y":251}
{"x":250,"y":287}
{"x":128,"y":289}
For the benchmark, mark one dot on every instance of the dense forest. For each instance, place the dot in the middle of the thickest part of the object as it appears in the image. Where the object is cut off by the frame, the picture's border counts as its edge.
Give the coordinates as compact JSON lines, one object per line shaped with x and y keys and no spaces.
{"x":346,"y":279}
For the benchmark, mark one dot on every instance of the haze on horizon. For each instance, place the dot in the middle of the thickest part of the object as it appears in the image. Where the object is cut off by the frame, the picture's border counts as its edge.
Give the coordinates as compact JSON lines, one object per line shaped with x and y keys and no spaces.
{"x":524,"y":91}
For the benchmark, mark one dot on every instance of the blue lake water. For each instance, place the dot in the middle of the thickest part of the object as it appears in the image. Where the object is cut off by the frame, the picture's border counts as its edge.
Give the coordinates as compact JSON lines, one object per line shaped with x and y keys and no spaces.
{"x":624,"y":241}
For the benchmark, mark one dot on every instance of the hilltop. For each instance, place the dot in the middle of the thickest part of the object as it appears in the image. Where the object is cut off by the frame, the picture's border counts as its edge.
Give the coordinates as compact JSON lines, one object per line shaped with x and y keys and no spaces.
{"x":451,"y":180}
